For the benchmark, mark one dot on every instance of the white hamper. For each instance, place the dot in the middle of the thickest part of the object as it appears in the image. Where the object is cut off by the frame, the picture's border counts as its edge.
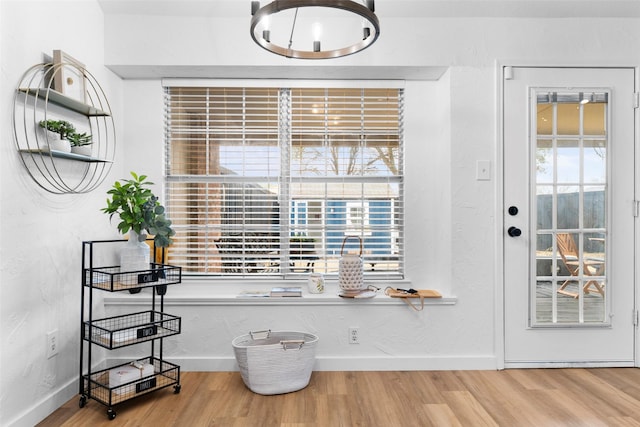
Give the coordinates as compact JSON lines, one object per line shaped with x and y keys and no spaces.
{"x":275,"y":362}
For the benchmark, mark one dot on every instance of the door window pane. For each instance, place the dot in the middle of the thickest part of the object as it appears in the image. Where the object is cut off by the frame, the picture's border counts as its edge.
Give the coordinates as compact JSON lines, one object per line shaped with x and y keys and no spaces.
{"x":567,"y":207}
{"x":595,"y":208}
{"x":568,"y":121}
{"x":545,"y":119}
{"x":594,"y":118}
{"x":544,"y":161}
{"x":595,"y":161}
{"x":568,"y":161}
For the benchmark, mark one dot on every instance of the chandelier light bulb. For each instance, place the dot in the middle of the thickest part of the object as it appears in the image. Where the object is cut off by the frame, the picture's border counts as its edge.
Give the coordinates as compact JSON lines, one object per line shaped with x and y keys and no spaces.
{"x":317,"y":31}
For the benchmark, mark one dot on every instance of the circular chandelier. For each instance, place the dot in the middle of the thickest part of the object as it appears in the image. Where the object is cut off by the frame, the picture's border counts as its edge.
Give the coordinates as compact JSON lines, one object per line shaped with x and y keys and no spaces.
{"x":350,"y":27}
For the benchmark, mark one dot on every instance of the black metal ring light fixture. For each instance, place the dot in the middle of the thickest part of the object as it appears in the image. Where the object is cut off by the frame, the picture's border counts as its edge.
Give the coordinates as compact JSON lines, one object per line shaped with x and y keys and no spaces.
{"x":369,"y":33}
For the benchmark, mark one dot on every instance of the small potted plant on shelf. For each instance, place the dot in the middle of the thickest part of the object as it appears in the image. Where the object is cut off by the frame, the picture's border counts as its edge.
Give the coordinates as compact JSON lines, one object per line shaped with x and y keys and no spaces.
{"x":56,"y":135}
{"x":140,"y":213}
{"x":80,"y":143}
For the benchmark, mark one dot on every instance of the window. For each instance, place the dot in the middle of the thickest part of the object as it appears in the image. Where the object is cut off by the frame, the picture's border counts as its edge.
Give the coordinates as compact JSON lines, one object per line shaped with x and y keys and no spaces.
{"x":358,"y":218}
{"x":268,"y":182}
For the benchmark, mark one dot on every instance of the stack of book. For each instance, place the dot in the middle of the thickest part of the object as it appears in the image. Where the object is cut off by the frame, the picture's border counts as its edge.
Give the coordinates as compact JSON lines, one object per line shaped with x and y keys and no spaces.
{"x":254,"y":294}
{"x":286,"y":292}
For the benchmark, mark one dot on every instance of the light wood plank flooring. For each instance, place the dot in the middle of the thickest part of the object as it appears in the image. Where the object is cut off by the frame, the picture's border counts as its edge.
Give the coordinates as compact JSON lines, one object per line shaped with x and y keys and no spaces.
{"x":535,"y":397}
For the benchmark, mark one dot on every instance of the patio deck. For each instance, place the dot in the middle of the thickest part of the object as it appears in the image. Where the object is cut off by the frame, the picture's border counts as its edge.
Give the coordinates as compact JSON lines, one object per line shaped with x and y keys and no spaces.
{"x":568,"y":307}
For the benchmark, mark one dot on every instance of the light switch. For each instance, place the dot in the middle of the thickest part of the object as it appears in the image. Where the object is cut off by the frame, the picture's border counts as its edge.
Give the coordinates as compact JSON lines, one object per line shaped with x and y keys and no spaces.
{"x":483,"y":170}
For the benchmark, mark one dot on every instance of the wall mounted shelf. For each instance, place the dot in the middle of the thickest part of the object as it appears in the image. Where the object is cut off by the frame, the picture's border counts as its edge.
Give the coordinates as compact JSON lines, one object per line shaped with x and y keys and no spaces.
{"x":64,"y":155}
{"x":36,"y":99}
{"x":57,"y":98}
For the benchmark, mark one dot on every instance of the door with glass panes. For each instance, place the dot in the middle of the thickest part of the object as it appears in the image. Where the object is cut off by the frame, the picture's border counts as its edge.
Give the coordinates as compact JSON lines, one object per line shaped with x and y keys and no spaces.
{"x":569,"y":217}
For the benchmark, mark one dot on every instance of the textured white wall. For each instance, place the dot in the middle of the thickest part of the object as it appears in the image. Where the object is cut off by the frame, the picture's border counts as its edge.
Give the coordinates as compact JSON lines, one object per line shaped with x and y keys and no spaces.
{"x":41,"y":232}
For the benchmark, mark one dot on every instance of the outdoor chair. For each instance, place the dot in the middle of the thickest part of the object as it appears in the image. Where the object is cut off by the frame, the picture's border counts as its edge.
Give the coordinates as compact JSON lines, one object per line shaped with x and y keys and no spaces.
{"x":571,"y":259}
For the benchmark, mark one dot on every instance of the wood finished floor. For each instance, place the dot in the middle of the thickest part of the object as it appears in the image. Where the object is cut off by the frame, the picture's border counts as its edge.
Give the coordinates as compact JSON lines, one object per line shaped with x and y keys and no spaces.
{"x":534,"y":397}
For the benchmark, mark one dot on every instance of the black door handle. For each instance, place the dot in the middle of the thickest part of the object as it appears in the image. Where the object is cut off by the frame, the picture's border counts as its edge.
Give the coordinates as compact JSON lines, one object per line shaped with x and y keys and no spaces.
{"x":514,"y":231}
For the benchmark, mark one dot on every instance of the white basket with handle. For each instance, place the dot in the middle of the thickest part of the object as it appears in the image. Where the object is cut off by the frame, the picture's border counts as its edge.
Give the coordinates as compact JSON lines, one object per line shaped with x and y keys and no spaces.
{"x":275,"y":362}
{"x":351,"y":270}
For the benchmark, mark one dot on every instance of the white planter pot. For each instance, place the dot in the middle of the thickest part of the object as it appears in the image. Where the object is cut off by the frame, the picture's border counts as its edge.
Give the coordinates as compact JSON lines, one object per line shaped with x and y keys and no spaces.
{"x":84,"y":150}
{"x":135,"y":255}
{"x":60,"y":145}
{"x":51,"y":141}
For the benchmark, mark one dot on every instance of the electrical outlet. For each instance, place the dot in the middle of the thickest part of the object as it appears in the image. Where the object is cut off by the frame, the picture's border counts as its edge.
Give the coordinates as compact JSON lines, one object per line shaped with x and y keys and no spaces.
{"x":354,"y":335}
{"x":52,"y":343}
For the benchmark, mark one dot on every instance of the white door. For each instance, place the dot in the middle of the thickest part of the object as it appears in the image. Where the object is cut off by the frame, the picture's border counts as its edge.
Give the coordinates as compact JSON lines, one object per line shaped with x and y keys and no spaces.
{"x":569,"y":217}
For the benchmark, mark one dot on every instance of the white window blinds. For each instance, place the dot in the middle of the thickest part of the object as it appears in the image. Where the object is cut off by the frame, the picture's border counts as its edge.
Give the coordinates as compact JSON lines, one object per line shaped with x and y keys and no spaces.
{"x":269,"y":182}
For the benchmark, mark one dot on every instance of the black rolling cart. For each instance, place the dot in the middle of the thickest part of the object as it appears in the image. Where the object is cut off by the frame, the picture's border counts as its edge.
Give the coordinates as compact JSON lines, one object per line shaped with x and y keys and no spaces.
{"x":145,"y":375}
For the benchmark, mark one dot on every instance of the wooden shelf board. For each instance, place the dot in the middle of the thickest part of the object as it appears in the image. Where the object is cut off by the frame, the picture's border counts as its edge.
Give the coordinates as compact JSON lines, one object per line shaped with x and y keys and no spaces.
{"x":64,"y":155}
{"x":64,"y":101}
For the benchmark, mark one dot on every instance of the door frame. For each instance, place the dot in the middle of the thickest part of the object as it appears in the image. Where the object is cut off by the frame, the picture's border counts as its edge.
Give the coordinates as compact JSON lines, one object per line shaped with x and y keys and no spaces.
{"x":502,"y":72}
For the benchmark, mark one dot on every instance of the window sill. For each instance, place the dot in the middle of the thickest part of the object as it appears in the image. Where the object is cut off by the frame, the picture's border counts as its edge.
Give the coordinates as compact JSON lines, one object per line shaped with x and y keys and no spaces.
{"x":198,"y":293}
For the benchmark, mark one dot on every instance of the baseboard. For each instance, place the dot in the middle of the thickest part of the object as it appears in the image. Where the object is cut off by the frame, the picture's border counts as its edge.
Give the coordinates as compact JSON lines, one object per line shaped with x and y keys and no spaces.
{"x":560,"y":365}
{"x":390,"y":363}
{"x":42,"y":409}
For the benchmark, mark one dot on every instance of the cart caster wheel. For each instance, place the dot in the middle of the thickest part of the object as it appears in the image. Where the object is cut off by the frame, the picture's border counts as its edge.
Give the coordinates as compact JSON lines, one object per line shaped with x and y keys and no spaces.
{"x":83,"y":401}
{"x":111,"y":414}
{"x":177,"y":388}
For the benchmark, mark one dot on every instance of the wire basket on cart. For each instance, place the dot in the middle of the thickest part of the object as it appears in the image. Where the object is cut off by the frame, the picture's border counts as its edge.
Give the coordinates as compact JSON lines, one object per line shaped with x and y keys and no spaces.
{"x":275,"y":362}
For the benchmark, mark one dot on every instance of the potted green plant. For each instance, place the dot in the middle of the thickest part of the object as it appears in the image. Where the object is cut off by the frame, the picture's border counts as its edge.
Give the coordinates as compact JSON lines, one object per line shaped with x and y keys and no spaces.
{"x":80,"y":143}
{"x":56,"y":137}
{"x":140,"y":213}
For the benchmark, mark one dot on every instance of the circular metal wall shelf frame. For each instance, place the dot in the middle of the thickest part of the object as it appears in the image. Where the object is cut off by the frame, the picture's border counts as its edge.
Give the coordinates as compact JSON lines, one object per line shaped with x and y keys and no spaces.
{"x":35,"y":99}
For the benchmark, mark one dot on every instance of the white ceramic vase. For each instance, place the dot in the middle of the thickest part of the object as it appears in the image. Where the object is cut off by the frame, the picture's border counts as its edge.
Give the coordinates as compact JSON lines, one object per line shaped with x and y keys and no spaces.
{"x":135,"y":255}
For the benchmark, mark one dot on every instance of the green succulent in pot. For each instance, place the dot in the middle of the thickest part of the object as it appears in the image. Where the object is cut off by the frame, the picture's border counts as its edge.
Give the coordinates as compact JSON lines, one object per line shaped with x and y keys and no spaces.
{"x":79,"y":139}
{"x":139,"y":210}
{"x":61,"y":127}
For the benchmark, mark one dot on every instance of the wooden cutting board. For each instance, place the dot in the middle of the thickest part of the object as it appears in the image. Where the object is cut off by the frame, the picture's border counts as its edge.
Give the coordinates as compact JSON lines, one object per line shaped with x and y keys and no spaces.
{"x":424,"y":293}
